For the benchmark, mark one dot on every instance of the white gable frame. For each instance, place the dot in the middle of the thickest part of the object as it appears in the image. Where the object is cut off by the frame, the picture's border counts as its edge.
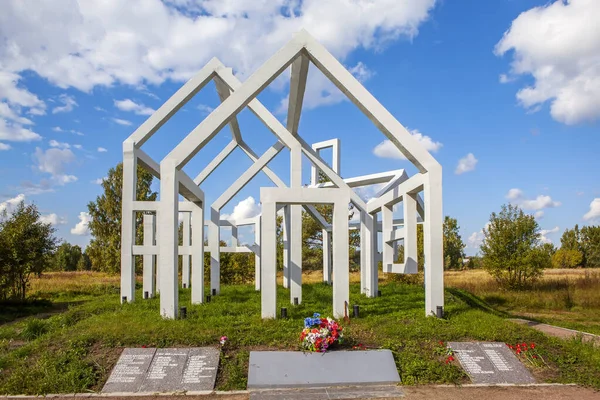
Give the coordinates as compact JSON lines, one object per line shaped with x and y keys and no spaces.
{"x":234,"y":95}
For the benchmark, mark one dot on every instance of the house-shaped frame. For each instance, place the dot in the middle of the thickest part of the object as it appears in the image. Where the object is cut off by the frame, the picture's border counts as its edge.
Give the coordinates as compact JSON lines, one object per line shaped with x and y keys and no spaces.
{"x":421,"y":194}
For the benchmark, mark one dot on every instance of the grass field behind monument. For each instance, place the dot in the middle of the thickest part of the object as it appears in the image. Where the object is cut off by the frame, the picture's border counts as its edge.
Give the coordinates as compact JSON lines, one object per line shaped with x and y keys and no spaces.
{"x":74,"y":348}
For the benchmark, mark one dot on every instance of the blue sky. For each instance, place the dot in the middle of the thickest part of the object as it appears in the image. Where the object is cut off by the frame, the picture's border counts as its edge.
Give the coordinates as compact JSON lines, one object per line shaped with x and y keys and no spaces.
{"x":504,"y":94}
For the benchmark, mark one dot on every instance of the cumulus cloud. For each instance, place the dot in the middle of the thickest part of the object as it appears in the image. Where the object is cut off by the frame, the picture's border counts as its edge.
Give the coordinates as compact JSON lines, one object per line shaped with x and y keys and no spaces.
{"x":54,"y":161}
{"x":539,"y":214}
{"x":594,"y":212}
{"x":204,"y":109}
{"x":13,"y":132}
{"x":246,"y":208}
{"x":32,"y":188}
{"x":545,"y":232}
{"x":466,"y":164}
{"x":558,"y":45}
{"x":4,"y":146}
{"x":517,"y":197}
{"x":53,"y":219}
{"x":123,"y":122}
{"x":476,"y":238}
{"x":387,"y":149}
{"x":102,"y":150}
{"x":99,"y":181}
{"x":10,"y":204}
{"x":68,"y":104}
{"x":130,"y":105}
{"x":15,"y":99}
{"x":54,"y":143}
{"x":99,"y":43}
{"x":81,"y":229}
{"x":9,"y":113}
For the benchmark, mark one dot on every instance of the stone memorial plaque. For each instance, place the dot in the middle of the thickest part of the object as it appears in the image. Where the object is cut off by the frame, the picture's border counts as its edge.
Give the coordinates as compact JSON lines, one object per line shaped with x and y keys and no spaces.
{"x":289,"y":369}
{"x":130,"y":371}
{"x":164,"y":370}
{"x":200,"y":371}
{"x":490,"y":362}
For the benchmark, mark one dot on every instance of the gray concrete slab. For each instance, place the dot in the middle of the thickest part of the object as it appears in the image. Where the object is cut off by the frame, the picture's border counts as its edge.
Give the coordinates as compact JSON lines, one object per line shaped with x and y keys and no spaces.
{"x":130,"y":371}
{"x":490,"y":363}
{"x":164,"y":371}
{"x":293,"y":369}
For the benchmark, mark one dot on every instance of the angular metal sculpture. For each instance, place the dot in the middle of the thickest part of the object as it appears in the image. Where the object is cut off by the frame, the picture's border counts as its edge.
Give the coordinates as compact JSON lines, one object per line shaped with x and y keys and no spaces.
{"x":161,"y":249}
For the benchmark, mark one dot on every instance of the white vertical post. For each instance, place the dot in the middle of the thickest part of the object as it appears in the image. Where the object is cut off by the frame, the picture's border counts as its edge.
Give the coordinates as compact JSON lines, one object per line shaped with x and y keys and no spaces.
{"x":234,"y":236}
{"x":214,"y":244}
{"x":409,"y":204}
{"x":387,"y":225}
{"x":128,"y":222}
{"x":169,"y":238}
{"x":149,"y":260}
{"x":295,"y":234}
{"x":364,"y":238}
{"x":197,"y":253}
{"x":257,"y":253}
{"x":368,"y":252}
{"x":433,"y":243}
{"x":185,"y":264}
{"x":268,"y":254}
{"x":286,"y":246}
{"x":327,"y":256}
{"x":341,"y":268}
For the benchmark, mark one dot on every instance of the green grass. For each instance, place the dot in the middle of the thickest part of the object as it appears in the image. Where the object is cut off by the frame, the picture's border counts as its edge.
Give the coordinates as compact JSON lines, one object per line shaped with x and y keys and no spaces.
{"x":75,"y":351}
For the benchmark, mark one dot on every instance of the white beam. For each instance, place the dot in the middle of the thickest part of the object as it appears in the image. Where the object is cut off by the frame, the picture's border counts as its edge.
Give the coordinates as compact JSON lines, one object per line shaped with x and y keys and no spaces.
{"x":128,"y":222}
{"x":224,"y":93}
{"x":208,"y":128}
{"x":268,"y":255}
{"x":414,"y":184}
{"x":185,"y":261}
{"x":297,"y":88}
{"x":247,"y":176}
{"x":149,"y":260}
{"x":215,"y":162}
{"x":197,"y":254}
{"x":341,"y":268}
{"x":356,"y":92}
{"x":175,"y":102}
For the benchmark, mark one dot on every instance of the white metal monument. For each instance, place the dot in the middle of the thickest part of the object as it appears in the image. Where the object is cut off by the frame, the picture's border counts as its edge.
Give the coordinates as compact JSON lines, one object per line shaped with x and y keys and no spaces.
{"x":160,"y":249}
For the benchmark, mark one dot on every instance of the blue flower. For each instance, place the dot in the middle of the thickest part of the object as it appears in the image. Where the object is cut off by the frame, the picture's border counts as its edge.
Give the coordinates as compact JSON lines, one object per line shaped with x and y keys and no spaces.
{"x":307,"y":322}
{"x":316,"y":315}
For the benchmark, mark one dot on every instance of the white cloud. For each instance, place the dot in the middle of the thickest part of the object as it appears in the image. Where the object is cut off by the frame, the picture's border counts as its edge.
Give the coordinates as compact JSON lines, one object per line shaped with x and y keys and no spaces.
{"x":53,"y":161}
{"x":98,"y":181}
{"x":246,"y":208}
{"x":99,"y":109}
{"x":10,"y":204}
{"x":31,"y":188}
{"x":545,"y":232}
{"x":15,"y":96}
{"x":53,"y":219}
{"x":130,"y":105}
{"x":10,"y":114}
{"x":204,"y":109}
{"x":123,"y":122}
{"x":594,"y":212}
{"x":475,"y":239}
{"x":466,"y":164}
{"x":517,"y":197}
{"x":78,"y":146}
{"x":4,"y":146}
{"x":96,"y":42}
{"x":539,"y":214}
{"x":387,"y":149}
{"x":16,"y":133}
{"x":76,"y":132}
{"x":102,"y":150}
{"x":54,"y":143}
{"x":68,"y":104}
{"x":81,"y":229}
{"x":57,"y":129}
{"x":558,"y":45}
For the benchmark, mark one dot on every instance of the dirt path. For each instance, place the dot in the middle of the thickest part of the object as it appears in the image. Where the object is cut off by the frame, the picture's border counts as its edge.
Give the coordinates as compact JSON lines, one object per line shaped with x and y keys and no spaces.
{"x":557,"y":331}
{"x":553,"y":392}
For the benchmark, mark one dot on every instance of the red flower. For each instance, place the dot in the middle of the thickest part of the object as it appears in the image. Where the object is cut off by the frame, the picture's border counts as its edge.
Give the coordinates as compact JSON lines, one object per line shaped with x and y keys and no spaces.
{"x":518,"y":351}
{"x":532,"y":345}
{"x":143,"y":346}
{"x":441,"y":343}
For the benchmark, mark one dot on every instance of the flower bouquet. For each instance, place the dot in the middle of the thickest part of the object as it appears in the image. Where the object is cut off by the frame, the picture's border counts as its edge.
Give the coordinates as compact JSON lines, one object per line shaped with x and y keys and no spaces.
{"x":319,"y":334}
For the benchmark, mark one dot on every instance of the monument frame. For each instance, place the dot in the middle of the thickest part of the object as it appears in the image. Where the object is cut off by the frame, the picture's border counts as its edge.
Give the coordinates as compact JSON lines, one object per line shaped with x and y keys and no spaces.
{"x":235,"y":96}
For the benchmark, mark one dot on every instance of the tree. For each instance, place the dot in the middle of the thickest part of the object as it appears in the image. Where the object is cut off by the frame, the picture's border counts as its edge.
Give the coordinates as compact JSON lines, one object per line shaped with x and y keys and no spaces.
{"x":453,"y":244}
{"x":66,"y":257}
{"x":590,"y":242}
{"x":27,"y":244}
{"x":84,"y":263}
{"x":567,"y":258}
{"x":510,"y":248}
{"x":104,"y":249}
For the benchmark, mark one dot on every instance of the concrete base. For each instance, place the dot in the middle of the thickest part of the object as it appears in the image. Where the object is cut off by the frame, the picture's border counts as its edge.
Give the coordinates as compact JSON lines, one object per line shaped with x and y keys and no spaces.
{"x":294,"y":369}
